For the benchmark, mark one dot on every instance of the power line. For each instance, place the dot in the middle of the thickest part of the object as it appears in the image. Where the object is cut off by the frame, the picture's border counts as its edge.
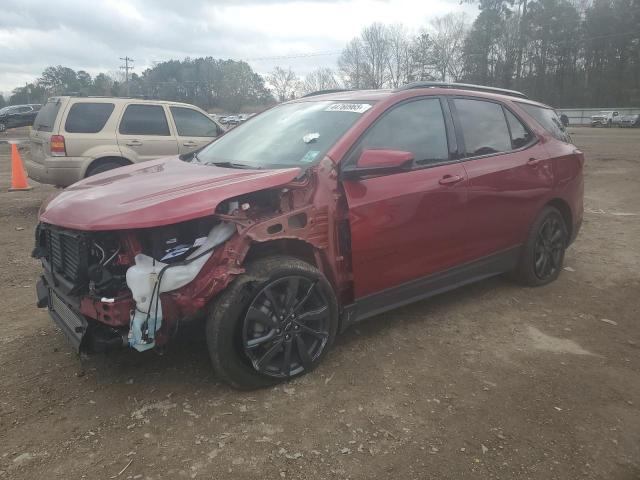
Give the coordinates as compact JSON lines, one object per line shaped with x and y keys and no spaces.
{"x":298,"y":55}
{"x":126,"y":69}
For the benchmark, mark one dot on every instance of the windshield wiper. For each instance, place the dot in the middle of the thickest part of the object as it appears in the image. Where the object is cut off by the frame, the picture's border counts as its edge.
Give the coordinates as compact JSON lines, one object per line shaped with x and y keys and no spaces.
{"x":234,"y":165}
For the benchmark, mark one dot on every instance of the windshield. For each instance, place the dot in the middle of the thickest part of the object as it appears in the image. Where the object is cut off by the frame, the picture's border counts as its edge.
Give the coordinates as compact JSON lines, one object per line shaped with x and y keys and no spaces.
{"x":290,"y":135}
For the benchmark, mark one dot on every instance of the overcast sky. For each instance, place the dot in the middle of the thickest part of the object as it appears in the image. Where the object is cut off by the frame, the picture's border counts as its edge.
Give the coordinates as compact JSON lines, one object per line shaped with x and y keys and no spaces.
{"x":91,"y":35}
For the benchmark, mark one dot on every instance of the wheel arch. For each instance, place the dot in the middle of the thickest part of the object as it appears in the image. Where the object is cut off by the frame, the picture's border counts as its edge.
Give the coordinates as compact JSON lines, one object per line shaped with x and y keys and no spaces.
{"x":565,"y":211}
{"x":110,"y":158}
{"x":297,"y":248}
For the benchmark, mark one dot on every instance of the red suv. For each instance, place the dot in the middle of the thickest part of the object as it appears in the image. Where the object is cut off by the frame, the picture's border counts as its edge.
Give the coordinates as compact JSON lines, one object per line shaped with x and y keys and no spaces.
{"x":309,"y":217}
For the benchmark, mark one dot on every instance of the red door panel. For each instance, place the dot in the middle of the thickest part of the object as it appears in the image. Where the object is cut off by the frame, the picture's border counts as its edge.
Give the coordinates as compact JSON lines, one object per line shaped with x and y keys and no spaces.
{"x":406,"y":226}
{"x":505,"y":193}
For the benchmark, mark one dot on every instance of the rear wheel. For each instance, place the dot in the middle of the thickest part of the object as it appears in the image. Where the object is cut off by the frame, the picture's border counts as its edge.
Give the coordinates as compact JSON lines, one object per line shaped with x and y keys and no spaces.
{"x":543,"y":254}
{"x":274,"y":323}
{"x":104,"y":167}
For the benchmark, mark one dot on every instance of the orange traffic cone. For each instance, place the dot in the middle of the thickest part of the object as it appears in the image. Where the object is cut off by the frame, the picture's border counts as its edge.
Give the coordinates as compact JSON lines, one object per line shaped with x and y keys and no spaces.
{"x":18,"y":177}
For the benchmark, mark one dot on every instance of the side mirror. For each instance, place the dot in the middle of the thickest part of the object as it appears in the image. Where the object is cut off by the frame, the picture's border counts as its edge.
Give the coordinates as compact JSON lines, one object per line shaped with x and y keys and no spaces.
{"x":379,"y":162}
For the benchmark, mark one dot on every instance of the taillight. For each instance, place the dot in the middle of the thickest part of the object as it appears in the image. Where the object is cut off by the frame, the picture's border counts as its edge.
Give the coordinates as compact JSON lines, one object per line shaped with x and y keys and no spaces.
{"x":57,"y":146}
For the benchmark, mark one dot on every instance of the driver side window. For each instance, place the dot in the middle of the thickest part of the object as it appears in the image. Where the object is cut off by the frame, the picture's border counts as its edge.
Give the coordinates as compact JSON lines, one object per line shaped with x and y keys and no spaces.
{"x":416,"y":126}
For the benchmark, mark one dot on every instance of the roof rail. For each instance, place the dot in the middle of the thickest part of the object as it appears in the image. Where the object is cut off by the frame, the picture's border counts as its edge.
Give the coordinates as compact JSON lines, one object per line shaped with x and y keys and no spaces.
{"x":331,"y":90}
{"x":462,"y":86}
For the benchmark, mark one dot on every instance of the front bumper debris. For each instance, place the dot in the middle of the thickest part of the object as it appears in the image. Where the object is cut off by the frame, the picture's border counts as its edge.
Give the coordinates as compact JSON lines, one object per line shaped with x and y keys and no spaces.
{"x":73,"y":325}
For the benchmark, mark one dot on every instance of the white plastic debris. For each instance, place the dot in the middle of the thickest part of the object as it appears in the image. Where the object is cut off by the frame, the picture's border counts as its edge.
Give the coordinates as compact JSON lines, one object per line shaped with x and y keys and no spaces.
{"x":146,"y":284}
{"x":610,"y":322}
{"x":310,"y":137}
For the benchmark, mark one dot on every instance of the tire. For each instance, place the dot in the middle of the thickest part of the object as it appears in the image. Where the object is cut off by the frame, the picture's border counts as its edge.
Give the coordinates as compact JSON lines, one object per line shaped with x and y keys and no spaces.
{"x":103,"y":167}
{"x":248,"y":341}
{"x":548,"y":239}
{"x":3,"y":127}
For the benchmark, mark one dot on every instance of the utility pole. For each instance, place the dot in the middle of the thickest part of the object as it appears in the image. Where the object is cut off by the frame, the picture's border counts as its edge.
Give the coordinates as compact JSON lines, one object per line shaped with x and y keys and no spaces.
{"x":126,"y":67}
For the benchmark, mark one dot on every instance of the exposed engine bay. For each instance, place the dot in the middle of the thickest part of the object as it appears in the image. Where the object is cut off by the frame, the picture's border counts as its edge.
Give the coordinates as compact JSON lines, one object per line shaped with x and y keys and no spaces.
{"x":133,"y":268}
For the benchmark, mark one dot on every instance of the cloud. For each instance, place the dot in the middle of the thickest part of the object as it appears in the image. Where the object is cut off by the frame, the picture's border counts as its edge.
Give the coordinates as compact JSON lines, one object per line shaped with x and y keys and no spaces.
{"x":92,"y":35}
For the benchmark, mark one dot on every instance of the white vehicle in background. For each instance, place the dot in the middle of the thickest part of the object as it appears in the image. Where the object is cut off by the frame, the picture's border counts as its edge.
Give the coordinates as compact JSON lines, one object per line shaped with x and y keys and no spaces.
{"x":629,"y":121}
{"x":233,"y":120}
{"x":606,"y":119}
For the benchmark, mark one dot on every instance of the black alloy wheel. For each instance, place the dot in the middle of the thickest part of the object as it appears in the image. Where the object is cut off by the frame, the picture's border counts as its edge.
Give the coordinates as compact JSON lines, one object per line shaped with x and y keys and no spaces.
{"x":275,"y":321}
{"x":542,"y":254}
{"x":286,"y":327}
{"x":549,"y":248}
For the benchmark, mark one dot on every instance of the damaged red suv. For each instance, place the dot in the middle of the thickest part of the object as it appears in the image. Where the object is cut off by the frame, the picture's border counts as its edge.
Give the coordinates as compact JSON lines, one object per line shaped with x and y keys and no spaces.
{"x":313,"y":215}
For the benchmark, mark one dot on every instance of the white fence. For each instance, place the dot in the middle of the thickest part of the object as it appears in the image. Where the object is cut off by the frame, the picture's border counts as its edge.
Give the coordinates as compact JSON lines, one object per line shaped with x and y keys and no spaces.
{"x":582,"y":116}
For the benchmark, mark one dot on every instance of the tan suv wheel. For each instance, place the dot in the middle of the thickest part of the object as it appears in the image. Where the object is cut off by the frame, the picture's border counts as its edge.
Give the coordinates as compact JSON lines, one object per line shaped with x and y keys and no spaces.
{"x":104,"y":166}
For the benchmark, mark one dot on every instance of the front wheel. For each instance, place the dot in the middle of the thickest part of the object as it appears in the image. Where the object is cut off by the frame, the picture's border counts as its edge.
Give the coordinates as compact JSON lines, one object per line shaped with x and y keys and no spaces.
{"x":273,"y":323}
{"x":543,"y":253}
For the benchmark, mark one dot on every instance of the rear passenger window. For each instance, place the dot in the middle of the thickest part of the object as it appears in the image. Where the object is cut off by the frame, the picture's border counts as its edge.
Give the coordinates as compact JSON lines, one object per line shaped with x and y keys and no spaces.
{"x":484,"y":127}
{"x":416,"y":127}
{"x":144,"y":120}
{"x":88,"y":117}
{"x":548,"y":119}
{"x":520,"y":136}
{"x":191,"y":123}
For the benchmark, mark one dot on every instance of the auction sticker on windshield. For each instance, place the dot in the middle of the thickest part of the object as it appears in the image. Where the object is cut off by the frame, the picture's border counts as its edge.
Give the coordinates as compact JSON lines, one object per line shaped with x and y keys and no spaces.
{"x":348,"y":107}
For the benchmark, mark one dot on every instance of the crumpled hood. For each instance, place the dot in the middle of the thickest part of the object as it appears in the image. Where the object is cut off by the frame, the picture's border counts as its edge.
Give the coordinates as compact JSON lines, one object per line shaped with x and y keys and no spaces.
{"x":154,"y":193}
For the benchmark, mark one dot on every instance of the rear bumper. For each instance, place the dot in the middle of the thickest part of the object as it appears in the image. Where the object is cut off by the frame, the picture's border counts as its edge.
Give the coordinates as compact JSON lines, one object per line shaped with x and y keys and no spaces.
{"x":61,"y":171}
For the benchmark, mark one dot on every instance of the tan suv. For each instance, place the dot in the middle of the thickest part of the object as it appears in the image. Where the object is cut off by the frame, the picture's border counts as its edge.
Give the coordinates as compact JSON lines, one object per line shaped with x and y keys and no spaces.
{"x":76,"y":137}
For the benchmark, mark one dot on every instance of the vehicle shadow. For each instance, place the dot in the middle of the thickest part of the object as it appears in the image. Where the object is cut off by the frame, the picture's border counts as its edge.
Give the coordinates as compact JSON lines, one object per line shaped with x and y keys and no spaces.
{"x":186,"y":360}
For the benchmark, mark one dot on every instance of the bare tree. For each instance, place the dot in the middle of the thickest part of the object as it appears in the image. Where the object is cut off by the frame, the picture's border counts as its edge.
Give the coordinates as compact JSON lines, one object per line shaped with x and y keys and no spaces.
{"x":399,"y":55}
{"x":351,"y":64}
{"x":285,"y":83}
{"x":375,"y":49}
{"x":422,"y":58}
{"x":320,"y":79}
{"x":448,"y":36}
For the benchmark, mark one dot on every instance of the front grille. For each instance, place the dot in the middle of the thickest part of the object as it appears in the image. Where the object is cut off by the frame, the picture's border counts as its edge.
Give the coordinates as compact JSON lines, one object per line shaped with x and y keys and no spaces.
{"x":67,"y":253}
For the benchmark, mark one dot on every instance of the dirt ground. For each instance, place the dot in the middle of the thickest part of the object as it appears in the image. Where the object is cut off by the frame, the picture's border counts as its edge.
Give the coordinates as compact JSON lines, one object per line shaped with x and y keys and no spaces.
{"x":490,"y":381}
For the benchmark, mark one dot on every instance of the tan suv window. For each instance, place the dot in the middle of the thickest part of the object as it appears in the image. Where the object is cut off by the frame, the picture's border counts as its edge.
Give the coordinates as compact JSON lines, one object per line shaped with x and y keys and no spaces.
{"x":88,"y":117}
{"x":144,"y":120}
{"x":193,"y":124}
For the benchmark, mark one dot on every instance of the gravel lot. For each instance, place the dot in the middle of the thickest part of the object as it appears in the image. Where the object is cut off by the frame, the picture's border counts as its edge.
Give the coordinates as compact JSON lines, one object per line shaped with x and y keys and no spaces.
{"x":490,"y":381}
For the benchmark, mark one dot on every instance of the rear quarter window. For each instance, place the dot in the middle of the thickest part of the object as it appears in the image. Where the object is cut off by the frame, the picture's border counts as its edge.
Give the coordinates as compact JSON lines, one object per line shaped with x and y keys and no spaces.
{"x":88,"y":117}
{"x":548,"y":119}
{"x":46,"y":117}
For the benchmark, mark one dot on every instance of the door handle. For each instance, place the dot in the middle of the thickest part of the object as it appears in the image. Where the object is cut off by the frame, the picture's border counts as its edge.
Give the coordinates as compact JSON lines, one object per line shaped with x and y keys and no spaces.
{"x":190,"y":144}
{"x":533,"y":162}
{"x":450,"y":179}
{"x":134,"y":143}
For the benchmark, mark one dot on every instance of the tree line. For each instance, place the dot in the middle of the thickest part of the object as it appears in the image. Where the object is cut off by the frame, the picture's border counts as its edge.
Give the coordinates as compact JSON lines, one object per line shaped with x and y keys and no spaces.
{"x":578,"y":53}
{"x":567,"y":53}
{"x":207,"y":82}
